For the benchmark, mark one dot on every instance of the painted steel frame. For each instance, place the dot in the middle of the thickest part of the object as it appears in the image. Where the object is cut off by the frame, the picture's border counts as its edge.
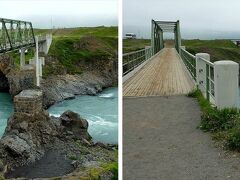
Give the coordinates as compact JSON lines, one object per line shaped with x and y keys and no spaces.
{"x":158,"y":28}
{"x":15,"y":34}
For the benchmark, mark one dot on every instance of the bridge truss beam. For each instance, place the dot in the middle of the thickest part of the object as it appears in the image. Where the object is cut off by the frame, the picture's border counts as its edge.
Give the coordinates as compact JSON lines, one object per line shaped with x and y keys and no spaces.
{"x":158,"y":28}
{"x":15,"y":34}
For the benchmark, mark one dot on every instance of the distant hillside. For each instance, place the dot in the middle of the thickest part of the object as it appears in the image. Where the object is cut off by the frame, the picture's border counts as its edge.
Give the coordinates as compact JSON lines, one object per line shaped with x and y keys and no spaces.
{"x":100,"y":31}
{"x":218,"y":49}
{"x":130,"y":45}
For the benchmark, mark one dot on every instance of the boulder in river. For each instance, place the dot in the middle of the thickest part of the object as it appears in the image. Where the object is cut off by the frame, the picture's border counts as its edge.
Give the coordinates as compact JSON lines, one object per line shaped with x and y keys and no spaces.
{"x":74,"y":123}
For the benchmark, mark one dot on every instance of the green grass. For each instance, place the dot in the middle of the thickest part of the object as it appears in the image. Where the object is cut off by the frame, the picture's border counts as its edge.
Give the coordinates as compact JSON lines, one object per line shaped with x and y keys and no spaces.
{"x":209,"y":43}
{"x":100,"y":31}
{"x":72,"y":157}
{"x":94,"y":173}
{"x":69,"y":54}
{"x":218,"y":49}
{"x":224,"y":124}
{"x":73,"y":59}
{"x":130,"y":45}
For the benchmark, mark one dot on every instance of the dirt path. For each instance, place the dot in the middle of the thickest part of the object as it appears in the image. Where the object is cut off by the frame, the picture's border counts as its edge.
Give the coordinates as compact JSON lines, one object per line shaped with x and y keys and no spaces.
{"x":164,"y":75}
{"x":160,"y":141}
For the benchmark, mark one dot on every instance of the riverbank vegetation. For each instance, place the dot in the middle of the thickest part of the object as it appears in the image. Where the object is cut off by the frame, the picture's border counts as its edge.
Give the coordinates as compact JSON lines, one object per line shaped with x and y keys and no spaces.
{"x":223,"y":124}
{"x":75,"y":50}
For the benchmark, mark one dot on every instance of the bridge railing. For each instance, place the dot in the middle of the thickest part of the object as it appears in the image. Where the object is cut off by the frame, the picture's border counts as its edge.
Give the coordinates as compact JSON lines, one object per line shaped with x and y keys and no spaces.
{"x":217,"y":81}
{"x":208,"y":87}
{"x":134,"y":59}
{"x":190,"y":62}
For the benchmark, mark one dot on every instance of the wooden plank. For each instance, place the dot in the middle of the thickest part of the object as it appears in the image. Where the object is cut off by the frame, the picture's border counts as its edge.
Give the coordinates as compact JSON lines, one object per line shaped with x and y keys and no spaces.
{"x":165,"y":75}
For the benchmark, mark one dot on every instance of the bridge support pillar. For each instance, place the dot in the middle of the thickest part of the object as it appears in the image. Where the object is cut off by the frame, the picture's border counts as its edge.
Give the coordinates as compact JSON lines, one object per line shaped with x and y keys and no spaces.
{"x":37,"y":64}
{"x":201,"y":72}
{"x":226,"y":75}
{"x":22,"y":57}
{"x":28,"y":102}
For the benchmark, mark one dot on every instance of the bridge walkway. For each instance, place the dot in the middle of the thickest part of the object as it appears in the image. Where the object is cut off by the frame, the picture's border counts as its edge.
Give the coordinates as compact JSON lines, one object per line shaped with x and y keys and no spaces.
{"x":165,"y":75}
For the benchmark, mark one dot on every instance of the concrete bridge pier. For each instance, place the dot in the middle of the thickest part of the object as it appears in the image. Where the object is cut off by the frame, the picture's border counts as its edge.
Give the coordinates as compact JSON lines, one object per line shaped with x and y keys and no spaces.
{"x":45,"y":43}
{"x":28,"y":102}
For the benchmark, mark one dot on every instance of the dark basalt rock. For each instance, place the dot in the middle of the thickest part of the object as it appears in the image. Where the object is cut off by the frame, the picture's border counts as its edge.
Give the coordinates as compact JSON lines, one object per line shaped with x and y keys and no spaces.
{"x":74,"y":123}
{"x":28,"y":136}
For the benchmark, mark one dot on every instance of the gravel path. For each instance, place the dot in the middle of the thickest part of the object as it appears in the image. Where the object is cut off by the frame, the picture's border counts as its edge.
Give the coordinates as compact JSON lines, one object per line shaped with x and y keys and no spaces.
{"x":160,"y":141}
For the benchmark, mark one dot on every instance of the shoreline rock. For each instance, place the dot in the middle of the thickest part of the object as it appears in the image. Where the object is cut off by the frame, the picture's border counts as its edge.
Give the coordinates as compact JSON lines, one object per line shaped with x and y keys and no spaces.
{"x":28,"y":138}
{"x":61,"y":87}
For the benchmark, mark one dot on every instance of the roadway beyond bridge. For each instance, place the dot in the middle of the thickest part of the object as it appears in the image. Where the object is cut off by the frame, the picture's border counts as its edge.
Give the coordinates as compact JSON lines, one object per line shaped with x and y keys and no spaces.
{"x":164,"y":75}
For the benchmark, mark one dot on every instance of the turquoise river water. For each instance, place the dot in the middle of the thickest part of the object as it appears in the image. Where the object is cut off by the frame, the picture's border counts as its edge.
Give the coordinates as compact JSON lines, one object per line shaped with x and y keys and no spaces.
{"x":101,"y":111}
{"x":6,"y":109}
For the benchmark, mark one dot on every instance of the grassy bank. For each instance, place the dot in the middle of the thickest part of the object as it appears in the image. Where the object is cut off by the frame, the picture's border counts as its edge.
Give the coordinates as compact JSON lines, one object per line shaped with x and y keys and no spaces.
{"x":75,"y":50}
{"x":218,"y":49}
{"x":100,"y":31}
{"x":223,"y":124}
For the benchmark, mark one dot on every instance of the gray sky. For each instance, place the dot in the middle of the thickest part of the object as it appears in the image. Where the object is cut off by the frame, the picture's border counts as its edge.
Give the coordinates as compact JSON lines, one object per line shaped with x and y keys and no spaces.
{"x":203,"y":19}
{"x":62,"y":13}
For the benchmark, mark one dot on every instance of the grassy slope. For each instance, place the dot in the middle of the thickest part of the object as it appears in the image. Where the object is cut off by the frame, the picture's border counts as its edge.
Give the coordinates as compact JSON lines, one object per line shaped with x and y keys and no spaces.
{"x":218,"y":49}
{"x":100,"y":31}
{"x":130,"y":45}
{"x":70,"y":57}
{"x":223,"y":124}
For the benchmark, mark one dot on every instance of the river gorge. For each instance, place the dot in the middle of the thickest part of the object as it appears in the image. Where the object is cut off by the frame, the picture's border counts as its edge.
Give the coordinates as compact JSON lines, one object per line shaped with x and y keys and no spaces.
{"x":100,"y":111}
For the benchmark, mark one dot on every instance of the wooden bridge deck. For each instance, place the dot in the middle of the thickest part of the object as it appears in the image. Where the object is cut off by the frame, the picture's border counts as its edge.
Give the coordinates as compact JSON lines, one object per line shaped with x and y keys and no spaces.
{"x":165,"y":75}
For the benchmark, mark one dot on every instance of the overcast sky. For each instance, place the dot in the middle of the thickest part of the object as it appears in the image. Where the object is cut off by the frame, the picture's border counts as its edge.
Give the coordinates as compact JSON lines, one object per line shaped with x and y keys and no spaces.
{"x":203,"y":19}
{"x":62,"y":13}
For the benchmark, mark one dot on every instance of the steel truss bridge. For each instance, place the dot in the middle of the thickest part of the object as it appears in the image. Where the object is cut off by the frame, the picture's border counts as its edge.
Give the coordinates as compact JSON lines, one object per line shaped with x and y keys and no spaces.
{"x":15,"y":34}
{"x":158,"y":28}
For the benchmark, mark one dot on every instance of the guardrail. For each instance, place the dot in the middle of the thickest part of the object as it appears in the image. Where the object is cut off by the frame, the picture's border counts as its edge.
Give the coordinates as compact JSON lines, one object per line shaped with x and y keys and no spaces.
{"x":134,"y":59}
{"x":207,"y":87}
{"x":217,"y":81}
{"x":190,"y":62}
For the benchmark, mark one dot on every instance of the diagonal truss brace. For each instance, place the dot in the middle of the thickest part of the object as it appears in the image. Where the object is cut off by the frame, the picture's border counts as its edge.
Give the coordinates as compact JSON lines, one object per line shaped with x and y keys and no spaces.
{"x":15,"y":34}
